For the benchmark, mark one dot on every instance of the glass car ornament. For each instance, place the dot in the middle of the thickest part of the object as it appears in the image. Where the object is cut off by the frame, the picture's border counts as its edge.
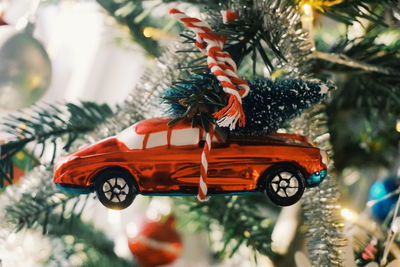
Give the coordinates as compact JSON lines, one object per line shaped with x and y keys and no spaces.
{"x":152,"y":158}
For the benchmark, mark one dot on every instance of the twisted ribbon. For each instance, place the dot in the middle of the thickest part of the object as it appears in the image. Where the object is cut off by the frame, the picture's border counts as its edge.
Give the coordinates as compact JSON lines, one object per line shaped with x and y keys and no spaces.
{"x":202,"y":191}
{"x":221,"y":65}
{"x":224,"y":68}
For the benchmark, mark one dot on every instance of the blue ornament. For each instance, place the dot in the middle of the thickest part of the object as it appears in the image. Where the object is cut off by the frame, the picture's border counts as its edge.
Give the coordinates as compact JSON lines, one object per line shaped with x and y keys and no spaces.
{"x":380,"y":189}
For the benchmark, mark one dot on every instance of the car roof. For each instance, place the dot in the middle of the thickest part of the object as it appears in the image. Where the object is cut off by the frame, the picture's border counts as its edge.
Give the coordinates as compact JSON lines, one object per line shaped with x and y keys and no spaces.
{"x":160,"y":124}
{"x":154,"y":125}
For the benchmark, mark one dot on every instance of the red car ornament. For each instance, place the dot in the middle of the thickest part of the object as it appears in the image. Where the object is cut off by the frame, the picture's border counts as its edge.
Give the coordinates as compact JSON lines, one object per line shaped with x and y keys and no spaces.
{"x":152,"y":158}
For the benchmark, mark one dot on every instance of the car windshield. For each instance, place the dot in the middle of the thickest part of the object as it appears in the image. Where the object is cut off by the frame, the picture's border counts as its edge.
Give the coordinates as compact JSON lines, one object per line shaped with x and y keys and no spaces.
{"x":130,"y":138}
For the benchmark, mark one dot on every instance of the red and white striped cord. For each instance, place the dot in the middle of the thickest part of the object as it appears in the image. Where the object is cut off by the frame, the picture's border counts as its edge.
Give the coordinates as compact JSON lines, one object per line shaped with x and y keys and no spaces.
{"x":221,"y":65}
{"x":202,"y":191}
{"x":224,"y":68}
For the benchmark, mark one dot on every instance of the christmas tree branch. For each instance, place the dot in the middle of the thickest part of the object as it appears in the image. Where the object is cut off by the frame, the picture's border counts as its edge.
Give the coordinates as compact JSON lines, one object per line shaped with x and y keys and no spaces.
{"x":253,"y":40}
{"x":47,"y":124}
{"x":97,"y":248}
{"x":242,"y":221}
{"x":346,"y":61}
{"x":139,"y":21}
{"x":31,"y":203}
{"x":367,"y":67}
{"x":350,"y":11}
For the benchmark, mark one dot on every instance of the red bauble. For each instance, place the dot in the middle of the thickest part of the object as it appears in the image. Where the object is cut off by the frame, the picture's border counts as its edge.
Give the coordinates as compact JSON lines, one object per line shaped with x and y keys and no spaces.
{"x":157,"y":243}
{"x":2,"y":22}
{"x":21,"y":159}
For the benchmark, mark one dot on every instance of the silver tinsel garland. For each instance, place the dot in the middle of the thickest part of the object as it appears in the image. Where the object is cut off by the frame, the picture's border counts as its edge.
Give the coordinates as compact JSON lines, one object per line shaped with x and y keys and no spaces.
{"x":29,"y":203}
{"x":282,"y":23}
{"x":321,"y":208}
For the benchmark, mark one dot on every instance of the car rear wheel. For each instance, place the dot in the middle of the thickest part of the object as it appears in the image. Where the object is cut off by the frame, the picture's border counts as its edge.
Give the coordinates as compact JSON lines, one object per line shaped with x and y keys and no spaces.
{"x":115,"y":188}
{"x":284,"y":185}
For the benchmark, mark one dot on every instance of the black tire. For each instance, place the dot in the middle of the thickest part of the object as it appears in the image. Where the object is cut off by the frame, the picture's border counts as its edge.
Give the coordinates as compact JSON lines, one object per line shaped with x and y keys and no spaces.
{"x":116,"y":189}
{"x":284,"y":184}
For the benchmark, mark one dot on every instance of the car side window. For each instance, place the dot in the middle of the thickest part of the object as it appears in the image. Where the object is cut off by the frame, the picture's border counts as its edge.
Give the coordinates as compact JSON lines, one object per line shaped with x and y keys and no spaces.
{"x":157,"y":139}
{"x":187,"y":136}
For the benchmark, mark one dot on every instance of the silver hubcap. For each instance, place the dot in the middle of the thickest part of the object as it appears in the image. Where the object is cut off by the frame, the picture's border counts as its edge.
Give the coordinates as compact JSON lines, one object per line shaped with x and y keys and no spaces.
{"x":285,"y":184}
{"x":116,"y":189}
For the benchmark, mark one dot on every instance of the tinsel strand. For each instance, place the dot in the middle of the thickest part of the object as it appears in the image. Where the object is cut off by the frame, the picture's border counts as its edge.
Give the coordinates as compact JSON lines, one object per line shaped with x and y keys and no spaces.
{"x":321,"y":206}
{"x":282,"y":21}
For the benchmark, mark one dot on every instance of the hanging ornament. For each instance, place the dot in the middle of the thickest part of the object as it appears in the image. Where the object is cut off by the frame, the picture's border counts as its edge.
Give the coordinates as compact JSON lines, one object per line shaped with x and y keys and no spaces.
{"x":25,"y":69}
{"x":154,"y":158}
{"x":381,"y":197}
{"x":157,"y":243}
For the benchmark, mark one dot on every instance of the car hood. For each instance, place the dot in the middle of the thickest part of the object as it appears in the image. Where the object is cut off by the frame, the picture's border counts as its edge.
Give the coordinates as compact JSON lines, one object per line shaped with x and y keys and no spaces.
{"x":108,"y":145}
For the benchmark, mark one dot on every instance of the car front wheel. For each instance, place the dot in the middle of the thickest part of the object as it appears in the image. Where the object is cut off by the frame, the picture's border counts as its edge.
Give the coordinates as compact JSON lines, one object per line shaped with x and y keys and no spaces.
{"x":115,"y":188}
{"x":284,"y":185}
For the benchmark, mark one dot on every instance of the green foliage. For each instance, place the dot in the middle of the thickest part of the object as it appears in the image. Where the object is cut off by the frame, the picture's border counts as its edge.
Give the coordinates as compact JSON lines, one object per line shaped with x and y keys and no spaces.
{"x":250,"y":41}
{"x":133,"y":14}
{"x":374,"y":71}
{"x":81,"y":238}
{"x":248,"y":38}
{"x":196,"y":98}
{"x":363,"y":141}
{"x":270,"y":103}
{"x":350,"y":11}
{"x":127,"y":12}
{"x":37,"y":204}
{"x":36,"y":199}
{"x":47,"y":125}
{"x":366,"y":104}
{"x":242,"y":220}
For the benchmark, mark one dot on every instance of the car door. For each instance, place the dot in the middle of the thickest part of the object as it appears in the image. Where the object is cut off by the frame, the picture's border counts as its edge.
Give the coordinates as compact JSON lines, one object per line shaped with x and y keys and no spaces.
{"x":185,"y":154}
{"x":232,"y":168}
{"x":164,"y":160}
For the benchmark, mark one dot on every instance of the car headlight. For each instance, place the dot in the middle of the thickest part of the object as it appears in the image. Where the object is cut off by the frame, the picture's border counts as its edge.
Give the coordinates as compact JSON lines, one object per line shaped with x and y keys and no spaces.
{"x":316,"y":178}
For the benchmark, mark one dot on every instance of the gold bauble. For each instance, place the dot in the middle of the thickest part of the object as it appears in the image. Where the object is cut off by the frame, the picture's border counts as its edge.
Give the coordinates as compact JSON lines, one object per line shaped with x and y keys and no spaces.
{"x":319,"y":4}
{"x":25,"y":69}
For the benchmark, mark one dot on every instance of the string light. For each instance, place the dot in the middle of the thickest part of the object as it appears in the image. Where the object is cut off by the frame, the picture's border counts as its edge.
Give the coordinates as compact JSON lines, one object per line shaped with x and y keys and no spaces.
{"x":307,"y":10}
{"x":349,"y":215}
{"x":307,"y":21}
{"x":319,"y":4}
{"x":398,"y":126}
{"x":154,"y":33}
